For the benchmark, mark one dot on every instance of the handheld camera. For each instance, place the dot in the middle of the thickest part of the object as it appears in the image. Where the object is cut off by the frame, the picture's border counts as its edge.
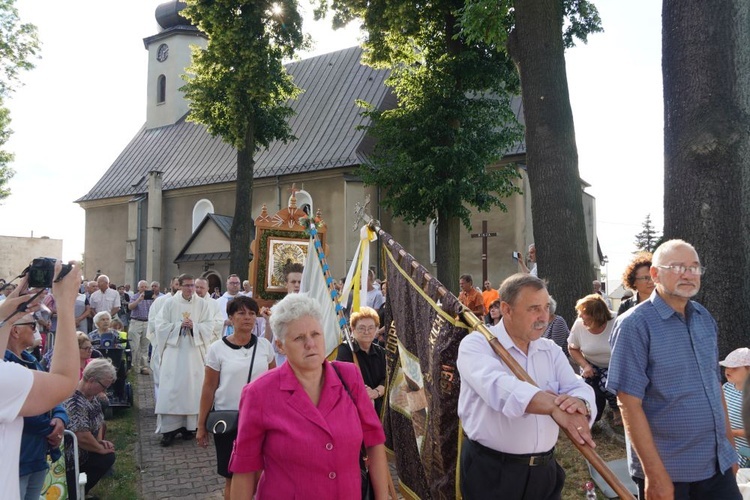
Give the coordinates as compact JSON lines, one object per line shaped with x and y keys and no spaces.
{"x":41,"y":272}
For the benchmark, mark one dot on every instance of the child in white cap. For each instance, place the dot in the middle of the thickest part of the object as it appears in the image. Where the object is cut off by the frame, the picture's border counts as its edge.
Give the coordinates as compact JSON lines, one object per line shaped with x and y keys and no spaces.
{"x":736,"y":368}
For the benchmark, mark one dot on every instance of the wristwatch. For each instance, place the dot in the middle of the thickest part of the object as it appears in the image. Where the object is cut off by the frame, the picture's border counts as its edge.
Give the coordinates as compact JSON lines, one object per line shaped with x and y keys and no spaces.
{"x":587,"y":405}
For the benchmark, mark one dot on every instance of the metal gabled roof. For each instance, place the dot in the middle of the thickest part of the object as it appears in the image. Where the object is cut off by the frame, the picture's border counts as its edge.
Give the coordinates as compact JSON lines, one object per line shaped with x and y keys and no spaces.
{"x":326,"y":124}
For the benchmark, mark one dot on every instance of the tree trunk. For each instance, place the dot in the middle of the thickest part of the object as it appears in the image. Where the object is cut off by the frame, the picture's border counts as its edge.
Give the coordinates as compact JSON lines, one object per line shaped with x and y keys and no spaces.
{"x":536,"y":46}
{"x":706,"y":69}
{"x":448,"y":251}
{"x":243,"y":228}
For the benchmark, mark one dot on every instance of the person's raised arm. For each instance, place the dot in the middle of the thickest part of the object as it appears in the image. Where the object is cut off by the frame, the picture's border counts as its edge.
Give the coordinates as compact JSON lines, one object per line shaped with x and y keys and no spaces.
{"x":522,"y":263}
{"x":50,"y":389}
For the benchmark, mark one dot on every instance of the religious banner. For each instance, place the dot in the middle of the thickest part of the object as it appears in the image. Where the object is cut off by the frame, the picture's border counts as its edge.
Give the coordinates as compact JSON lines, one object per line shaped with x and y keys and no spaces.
{"x":420,"y":419}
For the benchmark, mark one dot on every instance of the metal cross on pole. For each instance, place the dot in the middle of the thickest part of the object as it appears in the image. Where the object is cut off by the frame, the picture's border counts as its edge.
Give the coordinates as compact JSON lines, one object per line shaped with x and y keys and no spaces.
{"x":484,"y":235}
{"x":362,"y":215}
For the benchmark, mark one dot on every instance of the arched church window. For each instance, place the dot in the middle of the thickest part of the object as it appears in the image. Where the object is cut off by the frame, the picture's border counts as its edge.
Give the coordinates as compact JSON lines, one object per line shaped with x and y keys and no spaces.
{"x":200,"y":210}
{"x":161,"y":89}
{"x":304,"y":202}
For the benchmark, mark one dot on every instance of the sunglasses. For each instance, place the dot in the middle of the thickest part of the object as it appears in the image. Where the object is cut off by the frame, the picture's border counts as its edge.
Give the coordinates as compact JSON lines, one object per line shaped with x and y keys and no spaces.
{"x":30,"y":323}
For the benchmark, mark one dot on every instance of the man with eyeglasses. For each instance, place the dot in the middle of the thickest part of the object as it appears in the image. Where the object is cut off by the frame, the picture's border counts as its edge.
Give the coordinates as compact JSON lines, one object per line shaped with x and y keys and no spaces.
{"x":184,"y":330}
{"x":665,"y":370}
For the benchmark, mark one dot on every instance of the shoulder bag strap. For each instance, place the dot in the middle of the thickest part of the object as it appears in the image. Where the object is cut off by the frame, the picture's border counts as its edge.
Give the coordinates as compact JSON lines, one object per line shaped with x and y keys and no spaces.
{"x":252,"y":361}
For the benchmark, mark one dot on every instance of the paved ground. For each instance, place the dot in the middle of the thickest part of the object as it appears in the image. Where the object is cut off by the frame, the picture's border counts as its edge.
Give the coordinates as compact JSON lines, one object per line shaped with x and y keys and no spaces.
{"x":181,"y":471}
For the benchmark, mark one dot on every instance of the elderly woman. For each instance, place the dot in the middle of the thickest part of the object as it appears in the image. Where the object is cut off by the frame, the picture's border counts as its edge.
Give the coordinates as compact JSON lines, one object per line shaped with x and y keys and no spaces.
{"x":494,"y":315}
{"x":95,"y":455}
{"x":637,"y":278}
{"x":103,"y":327}
{"x":370,"y":356}
{"x":231,"y":363}
{"x":43,"y":433}
{"x":589,"y":347}
{"x":557,"y":330}
{"x":303,"y":424}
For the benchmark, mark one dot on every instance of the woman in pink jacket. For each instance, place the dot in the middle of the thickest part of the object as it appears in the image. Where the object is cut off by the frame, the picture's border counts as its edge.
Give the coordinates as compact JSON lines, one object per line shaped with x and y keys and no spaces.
{"x":302,"y":425}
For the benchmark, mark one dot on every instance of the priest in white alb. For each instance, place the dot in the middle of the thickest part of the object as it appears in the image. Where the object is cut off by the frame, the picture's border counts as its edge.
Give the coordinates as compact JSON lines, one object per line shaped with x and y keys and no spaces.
{"x":184,"y":329}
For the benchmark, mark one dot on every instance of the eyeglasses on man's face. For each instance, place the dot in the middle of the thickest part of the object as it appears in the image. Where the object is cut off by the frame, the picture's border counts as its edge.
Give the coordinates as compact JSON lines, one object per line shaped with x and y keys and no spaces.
{"x":32,"y":324}
{"x":679,"y":269}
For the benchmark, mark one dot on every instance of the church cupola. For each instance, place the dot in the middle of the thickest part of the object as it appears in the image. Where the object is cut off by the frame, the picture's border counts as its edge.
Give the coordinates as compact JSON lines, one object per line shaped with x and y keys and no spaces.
{"x":168,"y":56}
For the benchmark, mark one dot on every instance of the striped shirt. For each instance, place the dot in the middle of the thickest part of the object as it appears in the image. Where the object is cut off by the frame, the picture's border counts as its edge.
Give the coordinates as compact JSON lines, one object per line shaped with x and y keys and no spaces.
{"x":734,"y":406}
{"x":671,"y":363}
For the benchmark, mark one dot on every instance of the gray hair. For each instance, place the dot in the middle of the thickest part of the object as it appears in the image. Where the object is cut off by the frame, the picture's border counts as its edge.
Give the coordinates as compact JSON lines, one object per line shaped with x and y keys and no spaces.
{"x":665,"y":248}
{"x":552,"y":305}
{"x":98,"y":369}
{"x":511,"y":287}
{"x":98,"y":316}
{"x":291,"y":308}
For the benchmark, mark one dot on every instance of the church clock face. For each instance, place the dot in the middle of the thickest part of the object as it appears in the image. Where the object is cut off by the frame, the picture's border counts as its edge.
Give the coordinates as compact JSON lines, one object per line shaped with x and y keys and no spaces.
{"x":162,"y":53}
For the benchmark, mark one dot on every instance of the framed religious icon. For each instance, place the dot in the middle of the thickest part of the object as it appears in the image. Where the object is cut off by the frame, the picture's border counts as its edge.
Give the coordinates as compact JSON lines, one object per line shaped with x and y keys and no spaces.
{"x":280,"y":239}
{"x":281,"y":252}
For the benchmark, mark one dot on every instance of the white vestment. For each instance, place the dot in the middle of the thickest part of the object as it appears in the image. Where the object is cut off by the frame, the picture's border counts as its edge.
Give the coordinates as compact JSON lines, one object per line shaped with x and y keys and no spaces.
{"x":153,"y":312}
{"x":218,"y":319}
{"x":182,"y":358}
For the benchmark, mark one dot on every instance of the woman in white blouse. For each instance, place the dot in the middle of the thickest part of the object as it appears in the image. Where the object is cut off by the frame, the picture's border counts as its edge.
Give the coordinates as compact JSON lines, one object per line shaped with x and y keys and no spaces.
{"x":588,"y":345}
{"x":228,"y":365}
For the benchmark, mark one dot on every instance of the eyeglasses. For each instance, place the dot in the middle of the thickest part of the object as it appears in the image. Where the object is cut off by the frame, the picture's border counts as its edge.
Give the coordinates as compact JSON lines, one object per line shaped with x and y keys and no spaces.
{"x":87,"y":348}
{"x":644,"y":278}
{"x":367,"y":329}
{"x":680,"y":269}
{"x":105,"y":387}
{"x":29,"y":323}
{"x":233,"y":283}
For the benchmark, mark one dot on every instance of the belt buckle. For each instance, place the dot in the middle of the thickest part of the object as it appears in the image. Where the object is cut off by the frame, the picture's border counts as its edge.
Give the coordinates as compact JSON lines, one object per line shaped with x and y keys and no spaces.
{"x":534,"y":461}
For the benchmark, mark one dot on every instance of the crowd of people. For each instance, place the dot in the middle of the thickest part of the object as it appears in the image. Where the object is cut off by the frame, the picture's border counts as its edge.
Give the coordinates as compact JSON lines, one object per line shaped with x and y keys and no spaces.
{"x":286,"y":422}
{"x":654,"y":362}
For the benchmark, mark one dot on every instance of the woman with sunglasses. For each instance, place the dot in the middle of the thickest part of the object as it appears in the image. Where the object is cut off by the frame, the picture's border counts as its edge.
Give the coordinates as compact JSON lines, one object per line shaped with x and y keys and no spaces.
{"x":637,"y":278}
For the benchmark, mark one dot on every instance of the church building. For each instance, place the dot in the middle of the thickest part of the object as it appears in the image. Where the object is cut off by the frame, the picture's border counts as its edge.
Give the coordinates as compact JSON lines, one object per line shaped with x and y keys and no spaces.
{"x":168,"y":199}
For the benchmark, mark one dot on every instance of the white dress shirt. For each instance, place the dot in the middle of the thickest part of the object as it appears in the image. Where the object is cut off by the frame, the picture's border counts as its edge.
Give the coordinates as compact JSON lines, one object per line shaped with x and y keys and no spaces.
{"x":492,"y":401}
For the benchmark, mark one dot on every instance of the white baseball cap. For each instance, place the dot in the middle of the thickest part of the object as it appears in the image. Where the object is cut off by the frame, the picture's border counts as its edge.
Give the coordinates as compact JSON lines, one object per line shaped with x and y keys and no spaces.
{"x":738,"y":357}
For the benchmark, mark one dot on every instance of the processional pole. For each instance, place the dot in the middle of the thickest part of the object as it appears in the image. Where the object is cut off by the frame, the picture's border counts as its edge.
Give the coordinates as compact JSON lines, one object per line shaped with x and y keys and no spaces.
{"x":475,"y":323}
{"x":343,"y":323}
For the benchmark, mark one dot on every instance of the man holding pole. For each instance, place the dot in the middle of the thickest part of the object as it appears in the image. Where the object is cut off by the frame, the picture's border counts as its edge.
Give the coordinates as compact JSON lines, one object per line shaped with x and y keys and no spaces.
{"x":665,"y":369}
{"x":512,"y":426}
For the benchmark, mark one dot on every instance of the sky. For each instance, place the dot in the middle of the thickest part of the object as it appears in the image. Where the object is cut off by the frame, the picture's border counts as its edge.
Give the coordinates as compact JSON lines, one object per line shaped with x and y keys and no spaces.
{"x":86,"y":99}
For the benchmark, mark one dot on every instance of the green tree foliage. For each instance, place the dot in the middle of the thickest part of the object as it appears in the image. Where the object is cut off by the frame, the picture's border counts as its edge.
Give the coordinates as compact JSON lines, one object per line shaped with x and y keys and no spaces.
{"x":648,"y":239}
{"x":18,"y":47}
{"x":535,"y":34}
{"x":238,"y":88}
{"x":453,"y":118}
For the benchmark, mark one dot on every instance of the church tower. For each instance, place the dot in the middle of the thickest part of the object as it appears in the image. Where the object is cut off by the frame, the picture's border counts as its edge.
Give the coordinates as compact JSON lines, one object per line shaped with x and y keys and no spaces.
{"x":168,"y":56}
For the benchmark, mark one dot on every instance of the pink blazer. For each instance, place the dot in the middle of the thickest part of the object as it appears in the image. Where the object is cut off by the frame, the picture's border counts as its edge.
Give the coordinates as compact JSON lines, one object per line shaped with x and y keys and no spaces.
{"x":305,"y":451}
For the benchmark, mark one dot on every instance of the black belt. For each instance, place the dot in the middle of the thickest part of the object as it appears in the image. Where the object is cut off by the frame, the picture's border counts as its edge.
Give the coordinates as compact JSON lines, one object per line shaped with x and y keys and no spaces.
{"x":138,"y":319}
{"x":531,"y":460}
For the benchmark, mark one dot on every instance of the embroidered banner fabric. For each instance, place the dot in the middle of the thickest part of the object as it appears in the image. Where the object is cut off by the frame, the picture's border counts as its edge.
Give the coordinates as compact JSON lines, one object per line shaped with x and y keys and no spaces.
{"x":421,"y":420}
